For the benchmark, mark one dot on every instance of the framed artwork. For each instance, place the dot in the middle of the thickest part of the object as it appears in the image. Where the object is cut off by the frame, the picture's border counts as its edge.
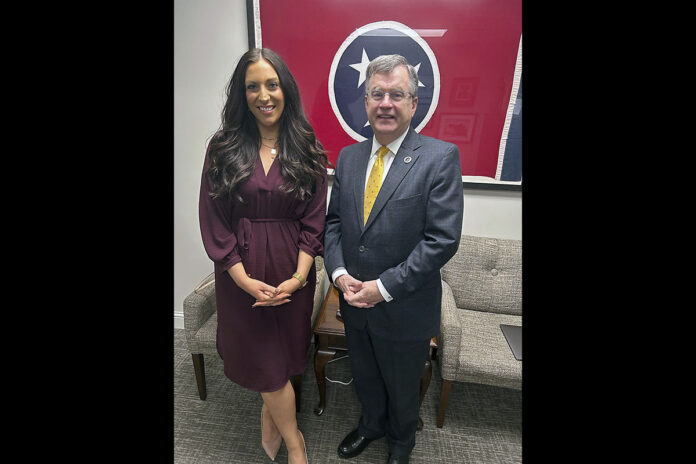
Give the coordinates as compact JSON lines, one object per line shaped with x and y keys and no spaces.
{"x":468,"y":56}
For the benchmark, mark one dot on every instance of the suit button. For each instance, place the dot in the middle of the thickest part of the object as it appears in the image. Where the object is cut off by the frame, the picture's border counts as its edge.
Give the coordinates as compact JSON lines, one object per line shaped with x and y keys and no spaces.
{"x":362,"y":248}
{"x":494,"y":272}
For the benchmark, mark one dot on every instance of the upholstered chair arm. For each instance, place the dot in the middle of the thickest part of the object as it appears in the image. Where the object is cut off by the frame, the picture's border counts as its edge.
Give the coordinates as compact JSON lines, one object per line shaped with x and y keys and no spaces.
{"x":320,"y":290}
{"x":319,"y":262}
{"x":450,"y":339}
{"x":199,"y":305}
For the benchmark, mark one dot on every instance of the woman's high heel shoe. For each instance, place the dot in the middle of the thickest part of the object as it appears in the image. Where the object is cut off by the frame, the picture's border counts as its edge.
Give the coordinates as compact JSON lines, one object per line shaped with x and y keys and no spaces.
{"x":271,"y":448}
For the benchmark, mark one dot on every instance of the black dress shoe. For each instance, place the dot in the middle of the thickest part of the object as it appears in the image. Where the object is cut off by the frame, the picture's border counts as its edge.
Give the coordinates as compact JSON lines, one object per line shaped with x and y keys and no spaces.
{"x":397,"y":459}
{"x":353,"y":444}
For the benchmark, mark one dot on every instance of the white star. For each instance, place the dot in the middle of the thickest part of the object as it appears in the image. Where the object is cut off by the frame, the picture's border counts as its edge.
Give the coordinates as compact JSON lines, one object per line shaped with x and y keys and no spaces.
{"x":420,"y":84}
{"x":361,"y":67}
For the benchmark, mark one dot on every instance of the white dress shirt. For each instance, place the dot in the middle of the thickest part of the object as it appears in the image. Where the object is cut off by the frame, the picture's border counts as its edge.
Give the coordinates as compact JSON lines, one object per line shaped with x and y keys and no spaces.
{"x":387,"y":159}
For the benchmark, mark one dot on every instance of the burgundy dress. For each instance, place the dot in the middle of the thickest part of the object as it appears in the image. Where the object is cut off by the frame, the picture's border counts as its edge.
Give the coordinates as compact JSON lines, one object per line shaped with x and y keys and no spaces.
{"x":262,"y":347}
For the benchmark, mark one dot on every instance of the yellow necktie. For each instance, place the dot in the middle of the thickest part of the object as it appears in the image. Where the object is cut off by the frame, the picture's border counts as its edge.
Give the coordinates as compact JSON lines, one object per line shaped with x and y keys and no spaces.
{"x":374,"y":182}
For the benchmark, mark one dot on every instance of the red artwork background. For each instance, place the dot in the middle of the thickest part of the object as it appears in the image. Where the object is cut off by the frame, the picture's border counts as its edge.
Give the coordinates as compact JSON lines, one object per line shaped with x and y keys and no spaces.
{"x":475,"y":43}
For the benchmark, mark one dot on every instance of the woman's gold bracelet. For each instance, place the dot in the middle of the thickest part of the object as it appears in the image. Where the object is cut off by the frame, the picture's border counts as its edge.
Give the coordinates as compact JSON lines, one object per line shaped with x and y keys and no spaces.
{"x":299,"y":277}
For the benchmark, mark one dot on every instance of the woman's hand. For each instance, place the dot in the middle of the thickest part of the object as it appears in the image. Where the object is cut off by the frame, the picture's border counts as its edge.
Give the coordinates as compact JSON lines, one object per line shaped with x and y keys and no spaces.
{"x":264,"y":294}
{"x":274,"y":298}
{"x":261,"y":291}
{"x":290,"y":286}
{"x":284,"y":290}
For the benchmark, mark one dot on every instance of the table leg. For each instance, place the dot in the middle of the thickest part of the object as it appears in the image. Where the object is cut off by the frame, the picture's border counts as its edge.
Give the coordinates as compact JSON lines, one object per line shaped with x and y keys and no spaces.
{"x":425,"y":380}
{"x":321,"y":357}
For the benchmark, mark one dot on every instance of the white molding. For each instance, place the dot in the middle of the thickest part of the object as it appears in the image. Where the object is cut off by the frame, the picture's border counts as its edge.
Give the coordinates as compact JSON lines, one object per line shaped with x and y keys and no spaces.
{"x":178,"y":319}
{"x":516,"y":81}
{"x":257,"y":24}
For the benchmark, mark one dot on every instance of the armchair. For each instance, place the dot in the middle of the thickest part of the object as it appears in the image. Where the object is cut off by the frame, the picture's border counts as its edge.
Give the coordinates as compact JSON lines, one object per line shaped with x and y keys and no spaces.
{"x":481,"y":289}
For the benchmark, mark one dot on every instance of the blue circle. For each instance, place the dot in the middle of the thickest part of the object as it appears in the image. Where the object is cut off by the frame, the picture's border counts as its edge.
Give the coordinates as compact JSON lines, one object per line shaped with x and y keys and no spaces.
{"x":350,"y":99}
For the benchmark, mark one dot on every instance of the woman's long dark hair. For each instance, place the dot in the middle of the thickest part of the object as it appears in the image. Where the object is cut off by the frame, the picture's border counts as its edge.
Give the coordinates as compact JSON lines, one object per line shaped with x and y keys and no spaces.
{"x":234,"y":148}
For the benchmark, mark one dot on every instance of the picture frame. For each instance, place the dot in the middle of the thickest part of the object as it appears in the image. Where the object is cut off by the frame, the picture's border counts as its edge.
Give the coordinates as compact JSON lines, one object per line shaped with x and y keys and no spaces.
{"x":469,"y":61}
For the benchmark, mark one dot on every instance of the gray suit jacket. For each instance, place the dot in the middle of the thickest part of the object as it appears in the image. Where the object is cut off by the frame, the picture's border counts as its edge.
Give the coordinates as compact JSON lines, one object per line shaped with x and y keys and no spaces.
{"x":413,"y":230}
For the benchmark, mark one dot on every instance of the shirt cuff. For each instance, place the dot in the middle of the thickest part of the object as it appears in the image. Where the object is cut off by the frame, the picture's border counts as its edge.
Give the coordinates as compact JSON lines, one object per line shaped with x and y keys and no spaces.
{"x":337,"y":273}
{"x":383,"y":291}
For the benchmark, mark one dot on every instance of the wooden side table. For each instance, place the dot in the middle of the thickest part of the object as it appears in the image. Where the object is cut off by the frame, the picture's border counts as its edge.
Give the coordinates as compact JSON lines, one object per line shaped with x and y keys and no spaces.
{"x":331,"y":337}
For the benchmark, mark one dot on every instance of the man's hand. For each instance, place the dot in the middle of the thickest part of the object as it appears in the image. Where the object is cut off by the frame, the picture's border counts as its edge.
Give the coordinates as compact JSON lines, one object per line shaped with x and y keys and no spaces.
{"x":348,"y":284}
{"x":351,"y":288}
{"x":368,"y":296}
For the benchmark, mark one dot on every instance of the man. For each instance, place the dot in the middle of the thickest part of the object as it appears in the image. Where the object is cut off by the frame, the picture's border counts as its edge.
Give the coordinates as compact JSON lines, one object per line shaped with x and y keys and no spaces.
{"x":385,"y":254}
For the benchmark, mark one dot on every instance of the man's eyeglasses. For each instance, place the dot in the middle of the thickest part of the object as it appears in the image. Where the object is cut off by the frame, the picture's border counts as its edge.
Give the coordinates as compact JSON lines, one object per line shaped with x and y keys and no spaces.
{"x":396,"y":96}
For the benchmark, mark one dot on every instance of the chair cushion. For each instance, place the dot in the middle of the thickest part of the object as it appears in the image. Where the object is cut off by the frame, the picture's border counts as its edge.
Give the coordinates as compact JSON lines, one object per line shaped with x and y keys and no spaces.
{"x":486,"y":274}
{"x":485,"y":356}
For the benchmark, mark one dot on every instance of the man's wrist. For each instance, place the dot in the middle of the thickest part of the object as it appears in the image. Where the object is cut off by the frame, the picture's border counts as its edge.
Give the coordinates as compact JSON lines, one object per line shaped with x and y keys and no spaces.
{"x":338,"y":273}
{"x":383,"y":291}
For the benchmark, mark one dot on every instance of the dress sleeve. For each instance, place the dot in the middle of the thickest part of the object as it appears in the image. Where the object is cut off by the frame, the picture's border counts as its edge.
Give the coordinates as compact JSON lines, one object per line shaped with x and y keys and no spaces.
{"x":314,"y":219}
{"x":215,"y":218}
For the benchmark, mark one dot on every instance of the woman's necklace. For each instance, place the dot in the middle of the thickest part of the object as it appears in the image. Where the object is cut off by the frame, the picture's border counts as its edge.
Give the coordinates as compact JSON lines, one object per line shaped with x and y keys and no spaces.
{"x":273,"y":149}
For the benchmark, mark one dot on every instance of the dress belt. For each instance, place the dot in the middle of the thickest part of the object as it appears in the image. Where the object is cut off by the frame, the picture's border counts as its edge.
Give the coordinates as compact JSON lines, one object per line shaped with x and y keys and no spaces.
{"x":244,"y":228}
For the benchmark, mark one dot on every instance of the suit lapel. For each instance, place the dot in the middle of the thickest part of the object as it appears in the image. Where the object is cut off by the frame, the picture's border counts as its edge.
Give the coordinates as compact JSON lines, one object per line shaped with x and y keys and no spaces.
{"x":398,"y":170}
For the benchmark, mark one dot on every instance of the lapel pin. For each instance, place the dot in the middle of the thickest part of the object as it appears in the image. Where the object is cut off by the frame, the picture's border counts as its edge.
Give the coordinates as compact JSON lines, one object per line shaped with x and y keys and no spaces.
{"x":407,"y":159}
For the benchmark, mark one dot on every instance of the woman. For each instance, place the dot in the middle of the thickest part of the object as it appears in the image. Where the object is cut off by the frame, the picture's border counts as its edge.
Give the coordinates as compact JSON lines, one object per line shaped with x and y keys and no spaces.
{"x":262,"y":212}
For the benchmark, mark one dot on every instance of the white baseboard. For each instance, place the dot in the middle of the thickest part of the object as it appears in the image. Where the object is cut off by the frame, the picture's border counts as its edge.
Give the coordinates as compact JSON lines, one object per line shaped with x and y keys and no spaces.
{"x":178,"y":319}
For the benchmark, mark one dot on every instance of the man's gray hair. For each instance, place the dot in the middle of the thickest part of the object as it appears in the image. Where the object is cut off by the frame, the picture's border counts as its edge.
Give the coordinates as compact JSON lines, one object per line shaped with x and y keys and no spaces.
{"x":387,"y":63}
